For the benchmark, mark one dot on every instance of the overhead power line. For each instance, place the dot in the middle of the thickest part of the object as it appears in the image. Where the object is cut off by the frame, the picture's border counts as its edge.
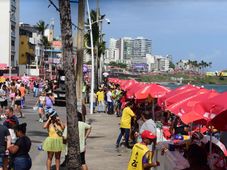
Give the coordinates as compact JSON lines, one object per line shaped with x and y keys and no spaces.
{"x":57,"y":9}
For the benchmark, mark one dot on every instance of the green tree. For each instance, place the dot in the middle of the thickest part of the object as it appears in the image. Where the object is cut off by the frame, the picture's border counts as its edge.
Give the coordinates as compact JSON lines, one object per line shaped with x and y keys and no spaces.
{"x":41,"y":26}
{"x":115,"y":64}
{"x":73,"y":161}
{"x":171,"y":65}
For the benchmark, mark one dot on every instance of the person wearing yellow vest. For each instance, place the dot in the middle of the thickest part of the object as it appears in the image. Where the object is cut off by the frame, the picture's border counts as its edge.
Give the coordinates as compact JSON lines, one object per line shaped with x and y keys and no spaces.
{"x":101,"y":102}
{"x":141,"y":156}
{"x":125,"y":124}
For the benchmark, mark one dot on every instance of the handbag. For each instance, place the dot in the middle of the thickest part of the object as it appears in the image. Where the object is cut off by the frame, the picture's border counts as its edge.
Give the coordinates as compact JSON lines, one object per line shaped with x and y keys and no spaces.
{"x":59,"y":132}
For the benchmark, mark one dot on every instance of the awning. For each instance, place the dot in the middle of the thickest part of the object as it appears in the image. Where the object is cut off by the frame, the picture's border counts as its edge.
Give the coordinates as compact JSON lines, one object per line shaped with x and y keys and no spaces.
{"x":3,"y":66}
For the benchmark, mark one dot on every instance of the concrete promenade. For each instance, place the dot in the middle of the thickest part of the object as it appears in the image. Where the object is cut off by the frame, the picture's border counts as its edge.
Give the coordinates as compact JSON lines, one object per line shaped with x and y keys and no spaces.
{"x":100,"y":154}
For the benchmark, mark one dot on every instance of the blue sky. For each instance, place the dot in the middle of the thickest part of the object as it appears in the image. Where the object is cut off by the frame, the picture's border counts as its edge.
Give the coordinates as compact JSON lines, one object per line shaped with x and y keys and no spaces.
{"x":186,"y":29}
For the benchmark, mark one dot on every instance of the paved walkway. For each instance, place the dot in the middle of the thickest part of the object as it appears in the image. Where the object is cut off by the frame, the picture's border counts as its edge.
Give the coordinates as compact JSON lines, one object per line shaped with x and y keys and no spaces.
{"x":100,"y":154}
{"x":101,"y":151}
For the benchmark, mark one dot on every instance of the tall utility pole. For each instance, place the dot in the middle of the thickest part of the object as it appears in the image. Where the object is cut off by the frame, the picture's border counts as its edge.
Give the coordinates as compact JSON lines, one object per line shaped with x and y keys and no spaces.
{"x":97,"y":48}
{"x":73,"y":161}
{"x":80,"y":54}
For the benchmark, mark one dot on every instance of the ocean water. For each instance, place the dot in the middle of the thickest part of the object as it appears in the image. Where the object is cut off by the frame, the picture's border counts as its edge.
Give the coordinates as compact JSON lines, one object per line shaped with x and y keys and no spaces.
{"x":218,"y":88}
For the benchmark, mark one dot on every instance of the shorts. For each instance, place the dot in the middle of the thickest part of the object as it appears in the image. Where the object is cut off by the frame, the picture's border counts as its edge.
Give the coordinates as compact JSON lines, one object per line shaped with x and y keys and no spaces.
{"x":4,"y":103}
{"x":82,"y":158}
{"x":18,"y":102}
{"x":40,"y":105}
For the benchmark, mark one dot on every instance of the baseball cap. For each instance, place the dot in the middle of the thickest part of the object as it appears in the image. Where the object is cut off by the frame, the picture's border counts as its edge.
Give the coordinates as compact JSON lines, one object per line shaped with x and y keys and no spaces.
{"x":51,"y":112}
{"x":147,"y":134}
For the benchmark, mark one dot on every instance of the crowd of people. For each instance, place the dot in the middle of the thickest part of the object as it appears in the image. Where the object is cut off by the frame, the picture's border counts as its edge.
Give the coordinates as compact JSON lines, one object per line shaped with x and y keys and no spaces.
{"x":14,"y":144}
{"x":139,"y":121}
{"x":146,"y":116}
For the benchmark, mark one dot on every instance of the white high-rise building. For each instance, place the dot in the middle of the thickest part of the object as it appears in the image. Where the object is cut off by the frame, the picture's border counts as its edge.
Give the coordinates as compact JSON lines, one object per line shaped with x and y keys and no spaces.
{"x":111,"y":54}
{"x":125,"y":46}
{"x":162,"y":63}
{"x":9,"y":34}
{"x":113,"y":43}
{"x":141,"y":47}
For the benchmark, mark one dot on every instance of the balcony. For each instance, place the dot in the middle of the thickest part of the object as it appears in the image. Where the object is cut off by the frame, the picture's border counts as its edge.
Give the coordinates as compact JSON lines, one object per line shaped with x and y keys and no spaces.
{"x":13,"y":19}
{"x":13,"y":34}
{"x":13,"y":3}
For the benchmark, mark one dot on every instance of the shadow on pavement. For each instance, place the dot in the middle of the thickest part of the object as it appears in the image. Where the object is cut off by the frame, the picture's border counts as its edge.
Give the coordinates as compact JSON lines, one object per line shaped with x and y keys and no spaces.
{"x":37,"y":133}
{"x":93,"y":137}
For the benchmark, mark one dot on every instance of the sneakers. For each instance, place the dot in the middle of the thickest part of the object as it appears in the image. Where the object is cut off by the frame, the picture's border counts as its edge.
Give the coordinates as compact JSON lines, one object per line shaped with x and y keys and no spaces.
{"x":40,"y":120}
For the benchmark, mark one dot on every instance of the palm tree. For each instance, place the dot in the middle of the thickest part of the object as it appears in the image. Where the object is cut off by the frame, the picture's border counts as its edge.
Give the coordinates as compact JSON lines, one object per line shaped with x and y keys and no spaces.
{"x":97,"y":42}
{"x":41,"y":26}
{"x":73,"y":161}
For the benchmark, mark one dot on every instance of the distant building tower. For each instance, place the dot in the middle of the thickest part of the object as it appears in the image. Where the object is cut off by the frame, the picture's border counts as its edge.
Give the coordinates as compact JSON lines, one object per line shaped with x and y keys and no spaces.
{"x":113,"y":43}
{"x":112,"y":53}
{"x":125,"y":46}
{"x":9,"y":34}
{"x":49,"y":33}
{"x":141,"y":47}
{"x":161,"y":63}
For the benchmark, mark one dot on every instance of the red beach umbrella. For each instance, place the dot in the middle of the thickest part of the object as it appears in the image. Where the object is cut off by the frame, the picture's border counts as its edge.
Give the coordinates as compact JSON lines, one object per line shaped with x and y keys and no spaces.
{"x":152,"y":90}
{"x":184,"y":107}
{"x":128,"y":84}
{"x":122,"y":82}
{"x":213,"y":111}
{"x":131,"y":92}
{"x":181,"y":96}
{"x":177,"y":91}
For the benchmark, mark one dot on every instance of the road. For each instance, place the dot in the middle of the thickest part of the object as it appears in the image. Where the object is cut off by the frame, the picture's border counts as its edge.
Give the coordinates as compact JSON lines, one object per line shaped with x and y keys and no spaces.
{"x":100,"y":153}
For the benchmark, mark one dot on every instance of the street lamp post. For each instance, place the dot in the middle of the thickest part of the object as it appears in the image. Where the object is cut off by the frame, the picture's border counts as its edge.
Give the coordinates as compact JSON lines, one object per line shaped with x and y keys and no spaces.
{"x":10,"y":62}
{"x":92,"y":60}
{"x":92,"y":55}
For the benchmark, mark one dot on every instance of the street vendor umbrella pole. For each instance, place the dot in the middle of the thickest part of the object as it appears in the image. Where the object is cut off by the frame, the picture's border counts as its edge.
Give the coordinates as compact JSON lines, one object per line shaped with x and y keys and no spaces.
{"x":211,"y":129}
{"x":154,"y":150}
{"x":153,"y":115}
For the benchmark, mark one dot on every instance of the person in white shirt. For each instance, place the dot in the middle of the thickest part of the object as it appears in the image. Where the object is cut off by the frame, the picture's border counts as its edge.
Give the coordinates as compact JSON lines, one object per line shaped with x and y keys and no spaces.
{"x":3,"y":99}
{"x":109,"y":102}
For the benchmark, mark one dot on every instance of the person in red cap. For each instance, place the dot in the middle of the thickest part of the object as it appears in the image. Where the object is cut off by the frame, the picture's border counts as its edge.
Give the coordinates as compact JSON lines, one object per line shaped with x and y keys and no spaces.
{"x":141,"y":157}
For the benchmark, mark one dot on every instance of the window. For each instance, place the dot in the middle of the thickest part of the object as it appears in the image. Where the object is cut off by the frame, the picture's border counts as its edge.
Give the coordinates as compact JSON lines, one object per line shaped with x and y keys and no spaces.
{"x":13,"y":43}
{"x":12,"y":28}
